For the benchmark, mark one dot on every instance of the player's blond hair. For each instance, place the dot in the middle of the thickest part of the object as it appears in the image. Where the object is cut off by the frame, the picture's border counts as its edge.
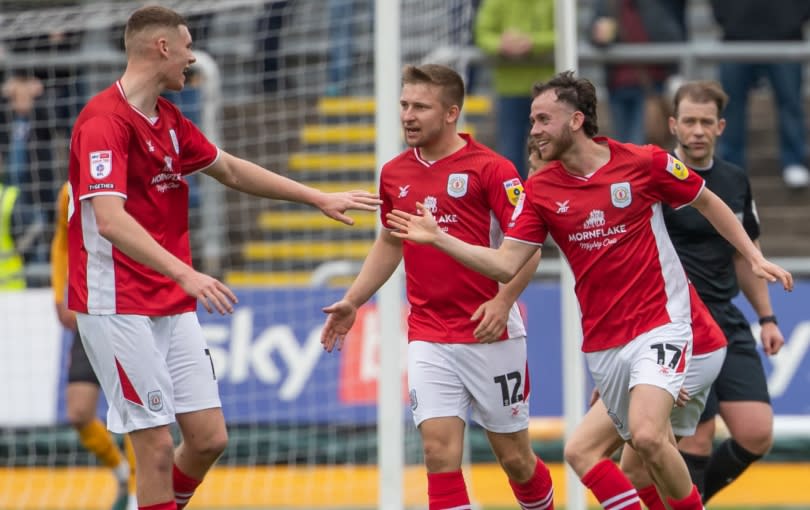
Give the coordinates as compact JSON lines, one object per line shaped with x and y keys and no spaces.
{"x":446,"y":78}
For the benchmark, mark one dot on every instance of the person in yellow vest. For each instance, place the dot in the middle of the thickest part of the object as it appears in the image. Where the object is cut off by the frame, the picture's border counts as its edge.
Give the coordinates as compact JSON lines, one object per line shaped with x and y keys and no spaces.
{"x":12,"y":269}
{"x":83,"y":387}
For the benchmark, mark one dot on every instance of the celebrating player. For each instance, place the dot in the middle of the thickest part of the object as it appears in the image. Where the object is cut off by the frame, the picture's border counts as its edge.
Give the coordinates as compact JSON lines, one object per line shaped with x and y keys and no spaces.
{"x":467,"y":342}
{"x":131,"y":280}
{"x":601,"y":201}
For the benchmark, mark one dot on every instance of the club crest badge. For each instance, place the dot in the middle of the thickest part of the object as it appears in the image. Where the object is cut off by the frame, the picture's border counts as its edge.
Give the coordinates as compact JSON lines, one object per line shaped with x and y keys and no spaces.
{"x":620,"y":195}
{"x":457,"y":185}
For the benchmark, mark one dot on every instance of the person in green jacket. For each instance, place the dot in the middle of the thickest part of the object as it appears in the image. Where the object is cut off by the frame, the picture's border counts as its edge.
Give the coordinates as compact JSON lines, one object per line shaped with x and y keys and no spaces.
{"x":519,"y":37}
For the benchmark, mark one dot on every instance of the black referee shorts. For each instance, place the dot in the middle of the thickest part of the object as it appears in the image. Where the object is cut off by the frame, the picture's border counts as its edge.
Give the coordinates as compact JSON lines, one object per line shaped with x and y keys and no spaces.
{"x":742,"y":378}
{"x":79,"y":368}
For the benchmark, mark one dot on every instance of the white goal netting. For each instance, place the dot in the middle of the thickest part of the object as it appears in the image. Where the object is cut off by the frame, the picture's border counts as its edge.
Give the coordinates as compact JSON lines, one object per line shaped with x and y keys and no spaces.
{"x":289,"y":85}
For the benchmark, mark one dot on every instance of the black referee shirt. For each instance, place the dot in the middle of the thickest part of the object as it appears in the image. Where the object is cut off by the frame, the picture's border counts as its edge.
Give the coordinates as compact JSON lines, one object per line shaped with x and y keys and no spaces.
{"x":705,"y":254}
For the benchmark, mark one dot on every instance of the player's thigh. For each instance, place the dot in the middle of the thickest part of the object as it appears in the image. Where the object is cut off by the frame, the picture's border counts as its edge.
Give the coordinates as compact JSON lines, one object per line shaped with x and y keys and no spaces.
{"x":497,"y":377}
{"x":700,"y":375}
{"x":80,"y":369}
{"x":442,"y":443}
{"x":434,"y":386}
{"x":131,"y":368}
{"x":203,"y":430}
{"x":749,"y":423}
{"x":190,"y":364}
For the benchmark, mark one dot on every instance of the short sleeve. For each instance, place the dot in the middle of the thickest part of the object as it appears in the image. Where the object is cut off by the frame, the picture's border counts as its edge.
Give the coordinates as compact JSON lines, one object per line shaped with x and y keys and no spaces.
{"x":101,"y":148}
{"x":671,"y":181}
{"x":503,"y":188}
{"x":196,"y":151}
{"x":526,"y":224}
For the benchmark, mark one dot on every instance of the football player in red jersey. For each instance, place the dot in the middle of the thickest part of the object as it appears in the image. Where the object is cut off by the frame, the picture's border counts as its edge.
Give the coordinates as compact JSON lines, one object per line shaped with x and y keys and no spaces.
{"x":466,"y":339}
{"x":131,"y":281}
{"x":601,"y":201}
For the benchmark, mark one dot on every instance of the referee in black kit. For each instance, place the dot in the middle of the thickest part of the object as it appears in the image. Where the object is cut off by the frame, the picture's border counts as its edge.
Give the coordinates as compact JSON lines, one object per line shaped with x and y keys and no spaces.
{"x":740,"y":392}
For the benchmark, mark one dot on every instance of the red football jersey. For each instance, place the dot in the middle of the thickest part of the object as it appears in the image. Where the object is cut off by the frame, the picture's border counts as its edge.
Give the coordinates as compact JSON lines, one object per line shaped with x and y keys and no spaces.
{"x":117,"y":150}
{"x":472,"y":194}
{"x":610,"y":227}
{"x":706,"y":333}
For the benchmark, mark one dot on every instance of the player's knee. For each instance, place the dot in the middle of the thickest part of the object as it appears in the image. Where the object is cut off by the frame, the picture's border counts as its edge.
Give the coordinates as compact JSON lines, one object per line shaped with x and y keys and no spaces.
{"x":648,"y":441}
{"x":439,"y":456}
{"x":578,"y":457}
{"x":757,"y":439}
{"x":518,"y":466}
{"x":215,"y":444}
{"x":158,"y":456}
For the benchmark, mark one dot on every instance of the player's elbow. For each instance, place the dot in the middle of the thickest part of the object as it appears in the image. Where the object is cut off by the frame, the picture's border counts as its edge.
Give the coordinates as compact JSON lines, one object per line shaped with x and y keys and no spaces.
{"x":504,"y":274}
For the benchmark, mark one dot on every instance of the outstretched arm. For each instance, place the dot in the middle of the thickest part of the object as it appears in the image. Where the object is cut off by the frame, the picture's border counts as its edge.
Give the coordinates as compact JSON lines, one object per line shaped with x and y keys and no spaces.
{"x":250,"y":178}
{"x":379,"y":265}
{"x":501,"y":264}
{"x":724,"y":221}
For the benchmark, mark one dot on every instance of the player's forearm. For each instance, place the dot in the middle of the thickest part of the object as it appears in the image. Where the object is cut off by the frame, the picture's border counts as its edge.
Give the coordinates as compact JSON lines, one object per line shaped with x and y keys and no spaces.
{"x":378,"y":267}
{"x":487,"y":261}
{"x":129,"y":237}
{"x":725,"y":222}
{"x":511,"y":291}
{"x":250,"y":178}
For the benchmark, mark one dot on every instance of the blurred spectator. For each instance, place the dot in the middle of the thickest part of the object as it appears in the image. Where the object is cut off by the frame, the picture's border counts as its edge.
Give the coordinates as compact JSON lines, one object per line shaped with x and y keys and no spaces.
{"x":341,"y":47}
{"x":517,"y":33}
{"x":19,"y":230}
{"x":636,"y":91}
{"x":269,"y":32}
{"x":40,"y":103}
{"x":462,"y":16}
{"x":765,"y":20}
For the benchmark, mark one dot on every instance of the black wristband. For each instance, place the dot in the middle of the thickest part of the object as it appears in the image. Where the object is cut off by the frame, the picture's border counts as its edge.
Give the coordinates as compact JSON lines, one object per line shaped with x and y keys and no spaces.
{"x":766,"y":319}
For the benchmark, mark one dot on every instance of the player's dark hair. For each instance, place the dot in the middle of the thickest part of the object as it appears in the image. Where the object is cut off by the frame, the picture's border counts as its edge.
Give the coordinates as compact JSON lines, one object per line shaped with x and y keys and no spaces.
{"x":577,"y":92}
{"x":152,"y":16}
{"x":443,"y":77}
{"x":705,"y":91}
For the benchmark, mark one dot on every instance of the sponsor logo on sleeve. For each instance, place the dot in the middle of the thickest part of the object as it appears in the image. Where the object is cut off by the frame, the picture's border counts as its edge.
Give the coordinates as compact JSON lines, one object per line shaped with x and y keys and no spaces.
{"x":457,"y":185}
{"x":100,"y":164}
{"x":677,"y":168}
{"x":514,"y":189}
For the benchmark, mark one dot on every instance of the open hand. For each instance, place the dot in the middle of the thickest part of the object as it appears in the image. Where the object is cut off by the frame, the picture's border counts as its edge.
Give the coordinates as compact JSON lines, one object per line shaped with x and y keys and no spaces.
{"x":340,"y":321}
{"x":420,"y":228}
{"x":334,"y":205}
{"x":771,"y":272}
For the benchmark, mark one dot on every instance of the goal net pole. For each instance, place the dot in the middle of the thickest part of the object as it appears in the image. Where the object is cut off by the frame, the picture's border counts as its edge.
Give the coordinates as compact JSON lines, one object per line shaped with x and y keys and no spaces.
{"x":390,"y":415}
{"x":565,"y":56}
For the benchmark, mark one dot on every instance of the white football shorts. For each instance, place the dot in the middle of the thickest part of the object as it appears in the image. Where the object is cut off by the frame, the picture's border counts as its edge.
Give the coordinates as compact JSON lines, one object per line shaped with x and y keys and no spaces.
{"x":659,"y":357}
{"x":150,"y":368}
{"x":449,"y":379}
{"x":700,"y":375}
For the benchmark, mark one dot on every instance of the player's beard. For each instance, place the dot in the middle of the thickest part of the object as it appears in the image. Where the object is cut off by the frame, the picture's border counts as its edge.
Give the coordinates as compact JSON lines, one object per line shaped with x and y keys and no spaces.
{"x":560,"y":145}
{"x":425,"y":137}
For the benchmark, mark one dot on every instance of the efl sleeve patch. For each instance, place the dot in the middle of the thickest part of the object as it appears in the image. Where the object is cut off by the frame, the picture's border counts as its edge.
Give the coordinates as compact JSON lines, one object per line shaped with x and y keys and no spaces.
{"x":676,"y":168}
{"x":514,"y":190}
{"x":100,"y":164}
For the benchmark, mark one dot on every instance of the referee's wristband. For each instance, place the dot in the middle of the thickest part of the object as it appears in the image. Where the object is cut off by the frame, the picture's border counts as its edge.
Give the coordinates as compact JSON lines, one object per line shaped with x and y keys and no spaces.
{"x":768,"y":318}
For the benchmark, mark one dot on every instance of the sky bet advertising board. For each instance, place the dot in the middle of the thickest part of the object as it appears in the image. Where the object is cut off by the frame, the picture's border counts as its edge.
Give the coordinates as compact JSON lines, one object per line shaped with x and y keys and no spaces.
{"x":271,"y":367}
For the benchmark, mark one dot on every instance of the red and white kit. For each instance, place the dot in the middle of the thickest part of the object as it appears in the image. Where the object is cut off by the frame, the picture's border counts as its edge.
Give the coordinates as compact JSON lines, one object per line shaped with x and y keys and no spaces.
{"x":138,"y":326}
